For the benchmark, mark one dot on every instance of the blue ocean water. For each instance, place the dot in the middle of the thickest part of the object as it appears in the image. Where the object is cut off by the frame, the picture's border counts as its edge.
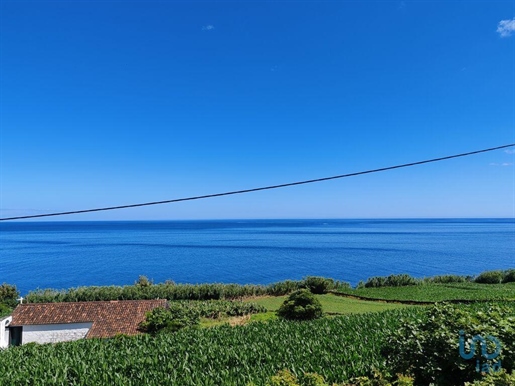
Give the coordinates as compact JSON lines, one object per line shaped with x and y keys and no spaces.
{"x":69,"y":254}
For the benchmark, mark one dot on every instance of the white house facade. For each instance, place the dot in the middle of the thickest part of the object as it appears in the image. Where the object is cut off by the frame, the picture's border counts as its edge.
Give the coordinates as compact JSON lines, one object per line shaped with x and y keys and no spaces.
{"x":53,"y":333}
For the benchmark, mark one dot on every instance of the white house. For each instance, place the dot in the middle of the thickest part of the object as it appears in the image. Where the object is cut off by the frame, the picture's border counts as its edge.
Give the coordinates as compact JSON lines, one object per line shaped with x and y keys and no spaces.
{"x":58,"y":322}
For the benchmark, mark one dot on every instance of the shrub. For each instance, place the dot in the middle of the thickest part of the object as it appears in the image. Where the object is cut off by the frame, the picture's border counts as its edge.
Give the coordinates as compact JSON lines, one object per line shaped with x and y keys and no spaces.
{"x":490,"y":277}
{"x":509,"y":276}
{"x":300,"y":305}
{"x":360,"y":285}
{"x":319,"y":285}
{"x":143,"y":281}
{"x":376,"y":281}
{"x":500,"y":378}
{"x":447,"y":279}
{"x":429,"y":349}
{"x":174,"y":318}
{"x":391,"y":281}
{"x":287,"y":378}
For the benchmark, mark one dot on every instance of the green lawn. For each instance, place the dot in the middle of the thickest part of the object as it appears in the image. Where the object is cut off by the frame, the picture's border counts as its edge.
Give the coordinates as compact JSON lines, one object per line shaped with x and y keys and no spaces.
{"x":438,"y":292}
{"x":331,"y":304}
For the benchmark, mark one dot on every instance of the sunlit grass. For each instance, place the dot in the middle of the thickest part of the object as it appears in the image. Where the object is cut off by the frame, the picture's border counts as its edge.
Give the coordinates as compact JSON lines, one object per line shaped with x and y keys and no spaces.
{"x":332,"y":304}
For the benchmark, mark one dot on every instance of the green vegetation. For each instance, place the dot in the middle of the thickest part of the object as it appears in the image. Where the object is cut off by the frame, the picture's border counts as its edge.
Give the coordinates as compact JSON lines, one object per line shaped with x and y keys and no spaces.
{"x":145,"y":289}
{"x":501,"y":378}
{"x":401,"y":280}
{"x":437,"y":292}
{"x":287,"y":378}
{"x":8,"y":296}
{"x":300,"y":305}
{"x":354,"y":346}
{"x":171,"y":319}
{"x":490,"y":277}
{"x":338,"y":349}
{"x":181,"y":314}
{"x":332,"y":304}
{"x":509,"y":276}
{"x":391,"y":281}
{"x":322,"y":285}
{"x":428,"y":347}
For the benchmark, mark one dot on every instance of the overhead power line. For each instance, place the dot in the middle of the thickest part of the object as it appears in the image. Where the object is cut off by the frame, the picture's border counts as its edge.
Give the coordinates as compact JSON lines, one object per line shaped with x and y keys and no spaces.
{"x":261,"y":188}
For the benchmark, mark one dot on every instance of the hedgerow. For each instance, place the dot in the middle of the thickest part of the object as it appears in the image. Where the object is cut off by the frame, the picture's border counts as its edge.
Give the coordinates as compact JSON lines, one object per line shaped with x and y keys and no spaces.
{"x":145,"y":289}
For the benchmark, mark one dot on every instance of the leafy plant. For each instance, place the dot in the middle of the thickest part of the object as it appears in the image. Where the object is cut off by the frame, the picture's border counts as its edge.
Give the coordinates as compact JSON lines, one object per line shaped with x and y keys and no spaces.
{"x":300,"y":305}
{"x":429,"y":348}
{"x":287,"y":378}
{"x":391,"y":281}
{"x":490,"y":277}
{"x":500,"y":378}
{"x":170,"y":319}
{"x":509,"y":276}
{"x":319,"y":285}
{"x":143,"y":281}
{"x":446,"y":279}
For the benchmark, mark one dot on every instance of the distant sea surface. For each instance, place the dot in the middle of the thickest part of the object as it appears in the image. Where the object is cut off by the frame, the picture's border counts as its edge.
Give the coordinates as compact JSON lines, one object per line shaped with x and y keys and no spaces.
{"x":70,"y":254}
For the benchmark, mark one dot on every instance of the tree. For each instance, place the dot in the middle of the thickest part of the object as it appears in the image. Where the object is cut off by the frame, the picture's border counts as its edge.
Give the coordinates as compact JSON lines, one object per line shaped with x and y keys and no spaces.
{"x":9,"y":295}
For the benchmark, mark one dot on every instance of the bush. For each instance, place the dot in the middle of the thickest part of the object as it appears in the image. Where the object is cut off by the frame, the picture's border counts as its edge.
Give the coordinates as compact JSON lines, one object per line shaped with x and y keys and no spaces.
{"x":500,"y":378}
{"x":391,"y":281}
{"x":172,"y":319}
{"x":509,"y":276}
{"x":447,"y":279}
{"x":319,"y":285}
{"x":287,"y":378}
{"x":300,"y":305}
{"x":429,"y":349}
{"x":143,"y":281}
{"x":490,"y":277}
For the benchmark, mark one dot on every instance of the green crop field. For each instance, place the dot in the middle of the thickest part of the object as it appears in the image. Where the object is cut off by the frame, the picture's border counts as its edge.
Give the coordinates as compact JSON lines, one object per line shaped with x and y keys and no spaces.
{"x":338,"y":348}
{"x":348,"y":342}
{"x":438,"y":292}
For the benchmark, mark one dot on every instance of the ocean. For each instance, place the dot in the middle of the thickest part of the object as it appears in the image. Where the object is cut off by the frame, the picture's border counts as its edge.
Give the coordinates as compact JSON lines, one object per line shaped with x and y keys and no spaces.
{"x":70,"y":254}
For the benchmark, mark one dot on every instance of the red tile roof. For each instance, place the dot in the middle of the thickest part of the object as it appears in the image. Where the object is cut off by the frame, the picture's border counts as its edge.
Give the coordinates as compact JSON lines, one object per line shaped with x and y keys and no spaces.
{"x":109,"y":318}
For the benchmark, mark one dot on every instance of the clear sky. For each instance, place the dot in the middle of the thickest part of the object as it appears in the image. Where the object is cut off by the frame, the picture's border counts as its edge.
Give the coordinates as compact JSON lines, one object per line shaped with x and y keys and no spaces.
{"x":117,"y":102}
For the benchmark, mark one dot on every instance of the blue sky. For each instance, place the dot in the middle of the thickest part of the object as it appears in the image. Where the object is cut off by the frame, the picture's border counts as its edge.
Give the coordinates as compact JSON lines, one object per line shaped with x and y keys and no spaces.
{"x":111,"y":102}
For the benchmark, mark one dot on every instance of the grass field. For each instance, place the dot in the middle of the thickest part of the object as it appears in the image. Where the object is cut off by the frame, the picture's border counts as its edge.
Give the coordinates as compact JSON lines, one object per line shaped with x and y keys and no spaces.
{"x":332,"y":304}
{"x":438,"y":292}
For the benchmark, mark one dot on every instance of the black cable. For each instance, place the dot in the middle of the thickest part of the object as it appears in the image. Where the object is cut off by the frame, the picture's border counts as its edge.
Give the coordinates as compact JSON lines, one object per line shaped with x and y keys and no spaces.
{"x":262,"y":188}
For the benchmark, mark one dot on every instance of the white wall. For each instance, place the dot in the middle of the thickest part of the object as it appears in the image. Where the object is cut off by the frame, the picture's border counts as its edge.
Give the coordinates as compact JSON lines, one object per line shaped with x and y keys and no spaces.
{"x":4,"y":332}
{"x":52,"y":333}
